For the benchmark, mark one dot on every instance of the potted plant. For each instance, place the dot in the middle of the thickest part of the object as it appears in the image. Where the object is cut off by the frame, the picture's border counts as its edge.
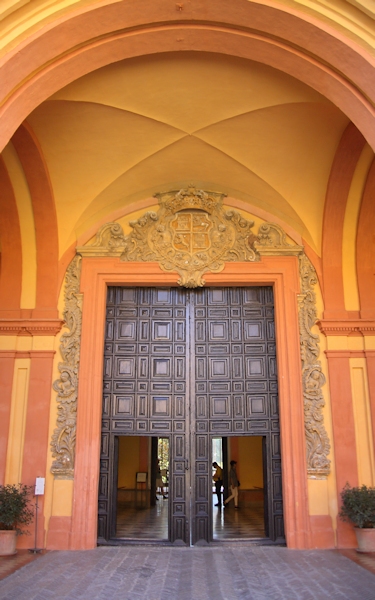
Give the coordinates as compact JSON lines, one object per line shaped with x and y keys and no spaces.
{"x":358,"y":507}
{"x":14,"y":511}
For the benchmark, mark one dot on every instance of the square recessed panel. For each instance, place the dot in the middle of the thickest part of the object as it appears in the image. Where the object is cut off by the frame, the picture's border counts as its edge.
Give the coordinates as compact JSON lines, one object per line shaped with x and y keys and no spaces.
{"x":124,"y":405}
{"x":255,"y":367}
{"x":218,"y":331}
{"x":125,"y":367}
{"x":162,"y":331}
{"x":219,"y":367}
{"x":126,"y":295}
{"x":217,"y":296}
{"x":160,"y":406}
{"x":253,"y":330}
{"x":252,"y":295}
{"x":162,"y":296}
{"x":161,"y":367}
{"x":219,"y":406}
{"x":257,"y":406}
{"x":126,"y":330}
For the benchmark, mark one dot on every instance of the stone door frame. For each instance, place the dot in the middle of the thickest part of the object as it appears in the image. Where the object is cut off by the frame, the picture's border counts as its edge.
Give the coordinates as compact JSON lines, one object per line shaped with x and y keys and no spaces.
{"x":281,"y":272}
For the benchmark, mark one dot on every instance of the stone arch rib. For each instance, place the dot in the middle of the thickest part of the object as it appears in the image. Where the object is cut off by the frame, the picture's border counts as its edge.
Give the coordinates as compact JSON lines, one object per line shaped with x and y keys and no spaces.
{"x":46,"y":231}
{"x":365,"y":247}
{"x":343,"y":167}
{"x":11,"y":248}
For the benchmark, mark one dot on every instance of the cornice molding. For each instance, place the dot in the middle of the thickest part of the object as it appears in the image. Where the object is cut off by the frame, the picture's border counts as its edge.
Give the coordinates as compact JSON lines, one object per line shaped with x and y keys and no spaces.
{"x":27,"y":353}
{"x":344,"y":327}
{"x":30,"y":327}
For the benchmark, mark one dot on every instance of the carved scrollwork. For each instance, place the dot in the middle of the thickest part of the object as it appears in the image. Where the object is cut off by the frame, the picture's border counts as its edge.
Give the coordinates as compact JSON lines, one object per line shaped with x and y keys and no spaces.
{"x":270,"y":240}
{"x":191,"y":234}
{"x":317,"y":441}
{"x":64,"y":436}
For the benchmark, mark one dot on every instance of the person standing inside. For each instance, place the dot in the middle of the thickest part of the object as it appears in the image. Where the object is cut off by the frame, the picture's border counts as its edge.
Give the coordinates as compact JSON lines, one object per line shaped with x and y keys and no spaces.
{"x":233,"y":483}
{"x":218,"y":480}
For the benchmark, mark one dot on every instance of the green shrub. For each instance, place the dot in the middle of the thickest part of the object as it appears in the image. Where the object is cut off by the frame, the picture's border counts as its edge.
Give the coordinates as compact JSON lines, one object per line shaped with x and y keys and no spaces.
{"x":14,"y":507}
{"x":358,"y":506}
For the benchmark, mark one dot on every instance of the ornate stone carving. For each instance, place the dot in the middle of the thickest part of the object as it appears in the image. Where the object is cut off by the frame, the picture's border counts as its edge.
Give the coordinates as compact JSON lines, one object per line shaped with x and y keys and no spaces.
{"x":317,"y":441}
{"x":64,"y":436}
{"x":191,"y":234}
{"x":271,"y":240}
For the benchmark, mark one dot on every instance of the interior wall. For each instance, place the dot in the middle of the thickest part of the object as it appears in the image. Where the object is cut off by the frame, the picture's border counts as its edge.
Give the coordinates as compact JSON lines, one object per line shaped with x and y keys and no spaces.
{"x":250,"y":461}
{"x":128,"y":461}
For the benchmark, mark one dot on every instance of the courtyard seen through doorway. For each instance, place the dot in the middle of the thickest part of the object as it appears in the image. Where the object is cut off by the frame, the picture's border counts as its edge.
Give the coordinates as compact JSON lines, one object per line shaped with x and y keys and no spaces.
{"x":142,"y":509}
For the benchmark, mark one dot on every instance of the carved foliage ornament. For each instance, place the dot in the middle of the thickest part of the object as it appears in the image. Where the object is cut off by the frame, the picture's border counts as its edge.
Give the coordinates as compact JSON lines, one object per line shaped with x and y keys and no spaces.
{"x":64,"y":436}
{"x":317,"y":441}
{"x":192,"y":234}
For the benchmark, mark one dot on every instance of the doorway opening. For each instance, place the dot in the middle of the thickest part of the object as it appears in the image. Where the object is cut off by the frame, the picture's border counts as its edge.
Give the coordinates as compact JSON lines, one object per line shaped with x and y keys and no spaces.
{"x":140,"y":509}
{"x":186,"y":367}
{"x":250,"y":521}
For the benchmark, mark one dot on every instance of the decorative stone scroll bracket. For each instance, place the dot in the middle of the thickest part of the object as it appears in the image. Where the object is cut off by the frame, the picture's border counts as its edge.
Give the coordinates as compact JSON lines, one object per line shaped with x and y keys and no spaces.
{"x":191,"y":234}
{"x":317,"y":441}
{"x":64,"y":436}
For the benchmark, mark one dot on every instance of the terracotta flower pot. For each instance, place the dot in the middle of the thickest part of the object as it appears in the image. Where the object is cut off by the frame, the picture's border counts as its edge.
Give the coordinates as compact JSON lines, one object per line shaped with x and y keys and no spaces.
{"x":8,"y":541}
{"x":365,"y":539}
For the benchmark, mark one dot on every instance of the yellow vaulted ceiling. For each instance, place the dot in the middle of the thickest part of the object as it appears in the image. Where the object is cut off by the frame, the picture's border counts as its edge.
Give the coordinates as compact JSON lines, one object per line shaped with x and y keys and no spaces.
{"x":145,"y":125}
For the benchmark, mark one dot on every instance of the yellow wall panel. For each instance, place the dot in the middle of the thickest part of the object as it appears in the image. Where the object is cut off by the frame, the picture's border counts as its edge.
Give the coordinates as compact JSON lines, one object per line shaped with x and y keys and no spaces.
{"x":128,"y":461}
{"x":350,"y":230}
{"x":62,"y":497}
{"x":26,"y":218}
{"x":318,"y":492}
{"x":17,"y":425}
{"x":250,"y":465}
{"x":362,"y":417}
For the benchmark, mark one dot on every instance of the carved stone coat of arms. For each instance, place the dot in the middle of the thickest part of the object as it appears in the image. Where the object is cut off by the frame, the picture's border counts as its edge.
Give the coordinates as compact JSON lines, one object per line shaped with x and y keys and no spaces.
{"x":191,"y":234}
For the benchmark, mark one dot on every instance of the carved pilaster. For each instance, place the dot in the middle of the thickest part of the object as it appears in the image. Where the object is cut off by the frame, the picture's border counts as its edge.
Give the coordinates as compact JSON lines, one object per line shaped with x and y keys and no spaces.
{"x":317,"y":441}
{"x":64,"y":436}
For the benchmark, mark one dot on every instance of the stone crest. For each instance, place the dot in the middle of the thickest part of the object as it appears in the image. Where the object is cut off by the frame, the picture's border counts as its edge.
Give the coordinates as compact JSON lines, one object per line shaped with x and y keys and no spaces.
{"x":191,"y":234}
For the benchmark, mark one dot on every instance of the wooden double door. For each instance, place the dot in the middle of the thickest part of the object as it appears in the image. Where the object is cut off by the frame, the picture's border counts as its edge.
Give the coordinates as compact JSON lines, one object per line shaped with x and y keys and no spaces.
{"x":190,"y":365}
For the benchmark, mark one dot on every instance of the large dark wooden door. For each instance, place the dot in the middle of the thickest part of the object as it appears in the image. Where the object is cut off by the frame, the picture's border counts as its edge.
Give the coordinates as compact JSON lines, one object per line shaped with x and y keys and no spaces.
{"x":190,"y":365}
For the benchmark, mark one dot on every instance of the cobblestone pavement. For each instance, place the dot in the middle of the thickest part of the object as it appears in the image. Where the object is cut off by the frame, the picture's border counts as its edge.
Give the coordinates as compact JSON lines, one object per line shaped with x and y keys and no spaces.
{"x":162,"y":573}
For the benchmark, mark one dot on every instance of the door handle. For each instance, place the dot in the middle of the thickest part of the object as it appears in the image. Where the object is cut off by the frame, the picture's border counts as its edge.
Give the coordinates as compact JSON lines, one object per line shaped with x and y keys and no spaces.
{"x":186,"y":464}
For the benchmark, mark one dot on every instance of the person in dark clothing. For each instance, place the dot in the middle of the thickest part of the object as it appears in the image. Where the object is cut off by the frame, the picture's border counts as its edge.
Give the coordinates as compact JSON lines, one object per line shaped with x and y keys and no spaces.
{"x":218,"y":480}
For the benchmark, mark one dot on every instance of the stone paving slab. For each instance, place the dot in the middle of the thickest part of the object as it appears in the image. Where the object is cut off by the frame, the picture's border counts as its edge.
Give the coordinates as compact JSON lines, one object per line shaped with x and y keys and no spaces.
{"x":227,"y":572}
